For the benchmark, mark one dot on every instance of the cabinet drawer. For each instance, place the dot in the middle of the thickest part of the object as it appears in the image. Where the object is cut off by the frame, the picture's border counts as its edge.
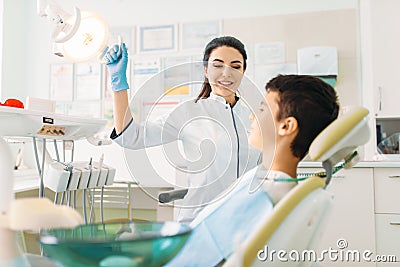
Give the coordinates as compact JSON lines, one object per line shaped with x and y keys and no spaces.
{"x":352,"y":216}
{"x":388,"y":238}
{"x":387,"y":188}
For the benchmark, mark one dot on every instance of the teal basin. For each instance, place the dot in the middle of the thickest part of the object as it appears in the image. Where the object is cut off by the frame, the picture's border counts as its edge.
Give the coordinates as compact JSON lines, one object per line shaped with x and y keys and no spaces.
{"x":130,"y":244}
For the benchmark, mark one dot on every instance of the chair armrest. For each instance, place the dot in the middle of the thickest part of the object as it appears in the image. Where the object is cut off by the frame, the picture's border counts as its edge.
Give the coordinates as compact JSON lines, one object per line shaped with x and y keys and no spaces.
{"x":168,"y":196}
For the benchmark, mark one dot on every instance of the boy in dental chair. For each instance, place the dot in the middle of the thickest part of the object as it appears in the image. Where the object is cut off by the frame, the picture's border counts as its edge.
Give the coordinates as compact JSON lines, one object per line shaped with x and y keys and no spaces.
{"x":295,"y":109}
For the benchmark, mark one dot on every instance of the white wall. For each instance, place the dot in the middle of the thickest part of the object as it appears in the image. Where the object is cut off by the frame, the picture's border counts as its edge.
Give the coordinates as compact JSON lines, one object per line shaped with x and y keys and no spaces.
{"x":15,"y":48}
{"x":1,"y":39}
{"x":27,"y":43}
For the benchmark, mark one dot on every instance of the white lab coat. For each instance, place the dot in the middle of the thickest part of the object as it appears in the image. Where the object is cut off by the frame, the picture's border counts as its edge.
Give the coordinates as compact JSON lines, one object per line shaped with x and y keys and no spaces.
{"x":214,"y":141}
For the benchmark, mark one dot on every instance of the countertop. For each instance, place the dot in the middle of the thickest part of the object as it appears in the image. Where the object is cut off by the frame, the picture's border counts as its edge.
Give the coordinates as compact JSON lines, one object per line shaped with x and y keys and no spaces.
{"x":361,"y":164}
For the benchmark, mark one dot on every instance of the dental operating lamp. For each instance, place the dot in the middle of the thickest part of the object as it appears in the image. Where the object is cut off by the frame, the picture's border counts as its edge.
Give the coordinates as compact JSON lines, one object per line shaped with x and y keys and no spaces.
{"x":78,"y":37}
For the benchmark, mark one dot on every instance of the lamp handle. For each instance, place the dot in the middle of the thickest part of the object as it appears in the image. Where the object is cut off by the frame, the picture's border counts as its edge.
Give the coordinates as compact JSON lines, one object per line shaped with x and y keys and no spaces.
{"x":101,"y":58}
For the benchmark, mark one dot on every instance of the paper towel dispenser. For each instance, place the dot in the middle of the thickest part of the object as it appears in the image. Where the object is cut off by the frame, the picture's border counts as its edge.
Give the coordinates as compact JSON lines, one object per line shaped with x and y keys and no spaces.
{"x":318,"y":61}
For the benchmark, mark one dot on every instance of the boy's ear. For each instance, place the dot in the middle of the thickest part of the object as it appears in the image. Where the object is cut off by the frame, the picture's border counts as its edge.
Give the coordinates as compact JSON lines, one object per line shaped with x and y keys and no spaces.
{"x":288,"y":126}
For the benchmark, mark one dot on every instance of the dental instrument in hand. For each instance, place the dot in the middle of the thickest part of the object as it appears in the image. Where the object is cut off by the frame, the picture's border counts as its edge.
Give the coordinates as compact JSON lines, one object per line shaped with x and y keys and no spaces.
{"x":102,"y":59}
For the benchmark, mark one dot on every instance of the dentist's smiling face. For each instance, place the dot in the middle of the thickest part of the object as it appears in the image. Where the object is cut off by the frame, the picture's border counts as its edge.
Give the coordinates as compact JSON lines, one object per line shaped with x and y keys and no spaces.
{"x":225,"y":71}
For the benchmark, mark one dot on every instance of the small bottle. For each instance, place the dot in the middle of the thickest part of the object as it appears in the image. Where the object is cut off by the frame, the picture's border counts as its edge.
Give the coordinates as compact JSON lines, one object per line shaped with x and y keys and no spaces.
{"x":378,"y":134}
{"x":398,"y":144}
{"x":385,"y":145}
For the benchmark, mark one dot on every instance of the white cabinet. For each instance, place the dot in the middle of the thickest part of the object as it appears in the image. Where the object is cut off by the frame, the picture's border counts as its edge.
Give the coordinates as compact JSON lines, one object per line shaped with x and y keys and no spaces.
{"x":387,"y":189}
{"x":388,"y":239}
{"x":352,"y":215}
{"x":385,"y":35}
{"x":380,"y":42}
{"x":387,"y":209}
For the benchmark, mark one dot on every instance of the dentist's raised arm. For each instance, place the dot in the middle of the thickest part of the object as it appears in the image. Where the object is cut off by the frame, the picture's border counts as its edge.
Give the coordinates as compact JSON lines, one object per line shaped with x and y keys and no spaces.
{"x":117,"y":65}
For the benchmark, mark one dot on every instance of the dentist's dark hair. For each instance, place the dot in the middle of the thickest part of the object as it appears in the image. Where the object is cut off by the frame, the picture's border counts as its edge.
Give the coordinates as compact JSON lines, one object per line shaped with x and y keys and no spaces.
{"x":228,"y":41}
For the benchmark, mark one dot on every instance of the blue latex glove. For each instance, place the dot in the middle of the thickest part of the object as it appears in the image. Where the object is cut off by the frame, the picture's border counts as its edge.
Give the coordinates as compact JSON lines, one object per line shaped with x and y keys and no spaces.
{"x":116,"y":66}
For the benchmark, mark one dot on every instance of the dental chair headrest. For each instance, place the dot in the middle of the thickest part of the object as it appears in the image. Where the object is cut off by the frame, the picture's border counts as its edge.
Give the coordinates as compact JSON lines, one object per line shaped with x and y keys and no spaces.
{"x":339,"y":140}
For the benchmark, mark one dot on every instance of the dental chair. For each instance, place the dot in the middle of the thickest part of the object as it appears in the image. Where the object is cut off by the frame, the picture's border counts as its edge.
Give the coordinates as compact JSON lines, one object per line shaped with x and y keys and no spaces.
{"x":297,"y":221}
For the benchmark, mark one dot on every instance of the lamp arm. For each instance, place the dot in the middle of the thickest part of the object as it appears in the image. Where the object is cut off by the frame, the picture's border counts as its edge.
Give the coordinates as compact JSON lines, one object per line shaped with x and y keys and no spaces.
{"x":51,"y":10}
{"x":41,"y":7}
{"x":55,"y":14}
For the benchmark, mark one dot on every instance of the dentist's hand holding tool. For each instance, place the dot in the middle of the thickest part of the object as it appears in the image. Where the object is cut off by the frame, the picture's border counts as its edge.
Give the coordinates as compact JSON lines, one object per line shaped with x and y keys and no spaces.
{"x":117,"y":62}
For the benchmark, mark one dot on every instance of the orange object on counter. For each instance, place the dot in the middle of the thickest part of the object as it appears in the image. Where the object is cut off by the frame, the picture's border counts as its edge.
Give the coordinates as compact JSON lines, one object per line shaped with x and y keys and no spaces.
{"x":11,"y":102}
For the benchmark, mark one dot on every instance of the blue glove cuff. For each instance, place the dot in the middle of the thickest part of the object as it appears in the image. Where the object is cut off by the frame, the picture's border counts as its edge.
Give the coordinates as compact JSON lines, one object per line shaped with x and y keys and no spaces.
{"x":119,"y":83}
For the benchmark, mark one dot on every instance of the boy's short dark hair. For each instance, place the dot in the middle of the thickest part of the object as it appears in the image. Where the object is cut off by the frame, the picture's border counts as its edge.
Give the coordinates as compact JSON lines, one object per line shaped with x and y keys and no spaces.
{"x":313,"y":103}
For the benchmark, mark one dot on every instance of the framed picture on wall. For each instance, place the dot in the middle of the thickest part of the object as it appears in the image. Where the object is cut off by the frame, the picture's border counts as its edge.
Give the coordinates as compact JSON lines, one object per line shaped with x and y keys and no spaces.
{"x":62,"y":82}
{"x":108,"y":113}
{"x":127,"y":35}
{"x":269,"y":53}
{"x":143,"y":69}
{"x":196,"y":75}
{"x":176,"y":75}
{"x":157,"y":38}
{"x":84,"y":108}
{"x":87,"y":81}
{"x":196,"y":35}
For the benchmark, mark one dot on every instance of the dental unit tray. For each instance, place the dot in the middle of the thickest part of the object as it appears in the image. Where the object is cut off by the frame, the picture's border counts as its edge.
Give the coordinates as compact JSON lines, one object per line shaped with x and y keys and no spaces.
{"x":46,"y":125}
{"x":62,"y":177}
{"x":31,"y":123}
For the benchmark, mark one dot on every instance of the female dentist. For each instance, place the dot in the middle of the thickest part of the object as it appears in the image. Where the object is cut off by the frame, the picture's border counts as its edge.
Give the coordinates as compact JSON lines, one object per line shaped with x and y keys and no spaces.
{"x":212,"y":128}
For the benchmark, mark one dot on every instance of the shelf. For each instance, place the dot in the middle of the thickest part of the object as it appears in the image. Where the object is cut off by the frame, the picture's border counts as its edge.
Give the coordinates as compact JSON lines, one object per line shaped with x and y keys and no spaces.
{"x":387,"y":118}
{"x":388,"y":157}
